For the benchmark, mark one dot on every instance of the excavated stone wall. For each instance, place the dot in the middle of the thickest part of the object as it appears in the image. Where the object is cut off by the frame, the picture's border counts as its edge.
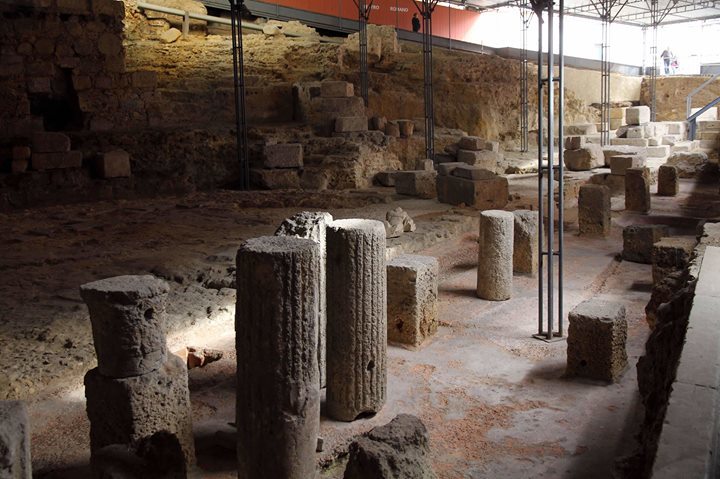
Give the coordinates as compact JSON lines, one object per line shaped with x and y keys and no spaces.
{"x":672,"y":92}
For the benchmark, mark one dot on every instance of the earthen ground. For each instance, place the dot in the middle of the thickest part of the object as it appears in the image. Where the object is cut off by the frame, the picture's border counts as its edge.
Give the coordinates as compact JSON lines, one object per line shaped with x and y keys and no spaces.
{"x":495,"y":401}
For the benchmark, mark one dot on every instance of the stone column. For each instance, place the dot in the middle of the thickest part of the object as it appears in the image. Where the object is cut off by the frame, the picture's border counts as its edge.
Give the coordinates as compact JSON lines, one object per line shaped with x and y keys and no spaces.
{"x":278,"y":393}
{"x":525,"y":242}
{"x":668,"y":181}
{"x":357,"y":318}
{"x":495,"y":258}
{"x":312,"y":225}
{"x":637,"y":189}
{"x":138,"y":389}
{"x":14,"y":441}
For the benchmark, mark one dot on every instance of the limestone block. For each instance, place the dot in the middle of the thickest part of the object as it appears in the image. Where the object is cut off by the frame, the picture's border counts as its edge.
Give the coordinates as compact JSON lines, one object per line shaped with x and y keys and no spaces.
{"x":416,"y":183}
{"x":272,"y":30}
{"x":357,"y":318}
{"x":128,"y":323}
{"x":53,"y":161}
{"x":484,"y":158}
{"x":378,"y":123}
{"x":426,"y":165}
{"x":113,"y":164}
{"x":412,"y":293}
{"x":594,"y":210}
{"x":336,"y":89}
{"x":419,"y":125}
{"x":385,"y":178}
{"x":584,"y":159}
{"x":675,"y":128}
{"x":691,"y":164}
{"x":525,"y":242}
{"x":637,"y":115}
{"x":20,"y":153}
{"x":610,"y":151}
{"x":575,"y":142}
{"x":616,"y":123}
{"x":711,"y":125}
{"x":637,"y":189}
{"x":596,"y":344}
{"x":580,"y":130}
{"x":491,"y":193}
{"x":444,"y":158}
{"x":344,"y":124}
{"x":312,"y":225}
{"x":671,"y":254}
{"x":407,"y":128}
{"x":276,"y":179}
{"x":620,"y":163}
{"x":15,"y":460}
{"x":472,"y":143}
{"x":339,"y":106}
{"x":709,"y":115}
{"x":283,"y":155}
{"x":392,"y":129}
{"x":445,"y":169}
{"x":472,"y":172}
{"x":638,"y":241}
{"x":128,"y":410}
{"x":397,"y":450}
{"x":658,"y":151}
{"x":493,"y":146}
{"x":668,"y":181}
{"x":635,"y":132}
{"x":617,"y":113}
{"x":641,"y":142}
{"x":276,"y":327}
{"x":654,"y":142}
{"x":707,"y":135}
{"x":615,"y":183}
{"x":495,"y":256}
{"x":49,"y":142}
{"x":170,"y":36}
{"x":683,"y":147}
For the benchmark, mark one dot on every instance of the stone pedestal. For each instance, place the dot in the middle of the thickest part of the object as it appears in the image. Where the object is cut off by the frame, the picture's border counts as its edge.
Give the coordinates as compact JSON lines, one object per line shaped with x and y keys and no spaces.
{"x":276,"y":321}
{"x":357,"y":318}
{"x":594,"y":210}
{"x":312,"y":225}
{"x":668,"y":181}
{"x":416,"y":183}
{"x":596,"y":340}
{"x":637,"y":189}
{"x":495,"y":258}
{"x":128,"y":323}
{"x":525,"y":242}
{"x":671,"y":254}
{"x":412,"y":292}
{"x":15,"y":460}
{"x":638,"y":241}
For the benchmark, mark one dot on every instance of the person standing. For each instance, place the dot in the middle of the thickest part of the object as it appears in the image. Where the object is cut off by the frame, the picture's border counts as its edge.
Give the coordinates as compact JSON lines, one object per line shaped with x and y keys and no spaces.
{"x":667,"y":57}
{"x":415,"y":23}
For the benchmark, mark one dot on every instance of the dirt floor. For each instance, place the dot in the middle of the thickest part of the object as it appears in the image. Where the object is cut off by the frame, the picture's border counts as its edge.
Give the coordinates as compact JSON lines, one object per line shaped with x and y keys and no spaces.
{"x":495,"y":401}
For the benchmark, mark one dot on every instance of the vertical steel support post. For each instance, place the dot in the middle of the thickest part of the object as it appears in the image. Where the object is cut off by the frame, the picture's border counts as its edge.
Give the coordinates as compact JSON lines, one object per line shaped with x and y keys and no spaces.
{"x":655,"y":18}
{"x":426,"y":8}
{"x":605,"y":17}
{"x":236,"y":7}
{"x":363,"y":17}
{"x":524,"y":102}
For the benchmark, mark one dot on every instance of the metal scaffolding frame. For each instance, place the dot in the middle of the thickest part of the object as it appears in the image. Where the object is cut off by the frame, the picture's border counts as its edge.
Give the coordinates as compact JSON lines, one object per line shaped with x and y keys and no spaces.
{"x":426,"y":9}
{"x":526,"y":16}
{"x":364,"y":10}
{"x":550,"y":279}
{"x":655,"y":18}
{"x":236,"y":8}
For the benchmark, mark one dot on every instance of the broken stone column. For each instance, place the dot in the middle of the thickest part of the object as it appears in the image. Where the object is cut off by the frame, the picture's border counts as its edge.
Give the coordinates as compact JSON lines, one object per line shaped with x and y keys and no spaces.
{"x":412,"y":292}
{"x":278,"y":394}
{"x":596,"y":340}
{"x":638,"y":241}
{"x":525,"y":242}
{"x":668,"y":184}
{"x":137,"y":389}
{"x":594,"y":210}
{"x":495,"y":257}
{"x":637,"y":189}
{"x":357,"y":318}
{"x":312,"y":225}
{"x":15,"y":460}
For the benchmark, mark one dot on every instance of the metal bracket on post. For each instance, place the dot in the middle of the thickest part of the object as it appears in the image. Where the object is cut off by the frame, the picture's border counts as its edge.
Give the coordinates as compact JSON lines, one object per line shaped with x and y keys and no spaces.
{"x":426,"y":9}
{"x":236,"y":7}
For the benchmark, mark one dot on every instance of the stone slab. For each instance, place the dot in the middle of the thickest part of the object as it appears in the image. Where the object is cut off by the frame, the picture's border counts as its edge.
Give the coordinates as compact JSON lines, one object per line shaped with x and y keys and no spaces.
{"x":54,"y":161}
{"x":283,"y":155}
{"x":472,"y":172}
{"x":345,"y":124}
{"x":50,"y":142}
{"x":336,"y":89}
{"x":637,"y":115}
{"x":416,"y":183}
{"x":113,"y":164}
{"x":480,"y":194}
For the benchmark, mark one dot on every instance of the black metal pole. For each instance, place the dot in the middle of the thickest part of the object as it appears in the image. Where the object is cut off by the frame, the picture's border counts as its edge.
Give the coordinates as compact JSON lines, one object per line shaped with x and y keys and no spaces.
{"x":561,"y":165}
{"x":426,"y":9}
{"x":363,"y":16}
{"x":236,"y":7}
{"x":541,"y":153}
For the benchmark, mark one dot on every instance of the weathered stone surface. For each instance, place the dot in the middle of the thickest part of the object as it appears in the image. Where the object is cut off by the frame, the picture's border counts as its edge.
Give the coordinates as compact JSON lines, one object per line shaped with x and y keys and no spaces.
{"x":658,"y":151}
{"x":397,"y":222}
{"x":416,"y":183}
{"x":283,"y":155}
{"x":472,"y":172}
{"x":412,"y":292}
{"x":15,"y":460}
{"x":272,"y":30}
{"x":113,"y":164}
{"x":345,"y":124}
{"x":48,"y":142}
{"x":615,"y":183}
{"x":445,"y":169}
{"x":336,"y":89}
{"x":637,"y":115}
{"x":276,"y":325}
{"x":584,"y":159}
{"x":378,"y":123}
{"x":472,"y":143}
{"x":495,"y":257}
{"x":407,"y":127}
{"x":128,"y":323}
{"x":158,"y":456}
{"x":691,"y":164}
{"x":426,"y":165}
{"x":392,"y":129}
{"x":484,"y":158}
{"x":128,"y":410}
{"x":493,"y":146}
{"x":481,"y":194}
{"x":596,"y":340}
{"x":398,"y":450}
{"x":55,"y":161}
{"x":610,"y":151}
{"x":668,"y":181}
{"x":312,"y":225}
{"x":276,"y":179}
{"x":638,"y":241}
{"x":357,"y":318}
{"x":385,"y":178}
{"x":671,"y":254}
{"x":594,"y":210}
{"x":637,"y":189}
{"x":620,"y":163}
{"x":637,"y":142}
{"x":581,"y":130}
{"x":525,"y":242}
{"x":575,"y":142}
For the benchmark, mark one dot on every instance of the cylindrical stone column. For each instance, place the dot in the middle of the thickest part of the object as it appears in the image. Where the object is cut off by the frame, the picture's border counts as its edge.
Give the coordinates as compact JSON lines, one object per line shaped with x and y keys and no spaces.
{"x":495,"y":257}
{"x":278,"y":392}
{"x":15,"y":460}
{"x":128,"y":323}
{"x":357,"y":318}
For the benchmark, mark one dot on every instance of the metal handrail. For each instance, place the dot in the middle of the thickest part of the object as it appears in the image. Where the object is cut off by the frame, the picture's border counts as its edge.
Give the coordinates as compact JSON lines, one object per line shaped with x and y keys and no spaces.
{"x":695,"y":91}
{"x":692,"y":119}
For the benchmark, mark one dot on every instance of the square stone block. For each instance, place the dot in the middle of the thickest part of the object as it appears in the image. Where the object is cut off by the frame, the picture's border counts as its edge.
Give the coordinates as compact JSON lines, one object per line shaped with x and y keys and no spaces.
{"x":472,"y":172}
{"x":113,"y":164}
{"x":525,"y":242}
{"x":54,"y":161}
{"x":445,"y":169}
{"x":283,"y":155}
{"x":620,"y":163}
{"x":668,"y":182}
{"x":641,"y":142}
{"x":50,"y":142}
{"x":489,"y":194}
{"x":671,"y":254}
{"x":575,"y":142}
{"x":638,"y":241}
{"x":472,"y":143}
{"x":596,"y":340}
{"x":385,"y":178}
{"x":336,"y":89}
{"x":15,"y":460}
{"x":637,"y":189}
{"x":416,"y":183}
{"x":412,"y":293}
{"x":344,"y":124}
{"x":426,"y":165}
{"x":637,"y":115}
{"x":635,"y":132}
{"x":594,"y":210}
{"x":660,"y":151}
{"x":586,"y":158}
{"x":581,"y":130}
{"x":276,"y":179}
{"x":484,"y":158}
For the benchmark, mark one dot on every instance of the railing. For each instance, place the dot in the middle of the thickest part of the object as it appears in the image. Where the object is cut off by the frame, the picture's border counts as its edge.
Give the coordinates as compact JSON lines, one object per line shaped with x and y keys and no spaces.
{"x":692,"y":119}
{"x":696,"y":91}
